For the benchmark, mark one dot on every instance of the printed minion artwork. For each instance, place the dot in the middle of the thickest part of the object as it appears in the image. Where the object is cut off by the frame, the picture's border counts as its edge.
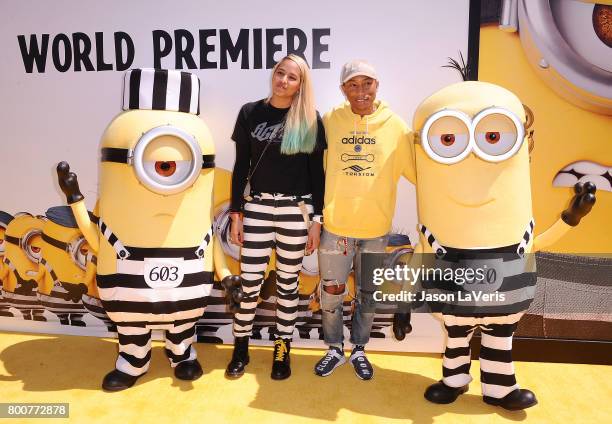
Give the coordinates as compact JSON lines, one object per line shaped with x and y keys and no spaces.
{"x":20,"y":270}
{"x":5,"y":219}
{"x":557,"y":57}
{"x":154,"y":236}
{"x":474,"y":202}
{"x":67,"y":267}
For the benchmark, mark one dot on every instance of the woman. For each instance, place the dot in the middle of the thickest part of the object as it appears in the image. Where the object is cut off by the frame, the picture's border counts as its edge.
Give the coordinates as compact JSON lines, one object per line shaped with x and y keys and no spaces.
{"x":279,"y":151}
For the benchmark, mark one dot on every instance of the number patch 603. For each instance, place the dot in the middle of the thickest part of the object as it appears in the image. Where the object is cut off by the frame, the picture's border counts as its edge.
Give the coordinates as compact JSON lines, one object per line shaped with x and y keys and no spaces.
{"x":163,"y":272}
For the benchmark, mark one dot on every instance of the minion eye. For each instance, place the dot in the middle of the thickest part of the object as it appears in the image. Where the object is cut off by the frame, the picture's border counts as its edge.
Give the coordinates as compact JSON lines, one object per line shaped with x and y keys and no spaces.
{"x":447,"y":136}
{"x":166,"y":173}
{"x":166,"y":168}
{"x":167,"y":160}
{"x":32,"y":251}
{"x":497,"y":134}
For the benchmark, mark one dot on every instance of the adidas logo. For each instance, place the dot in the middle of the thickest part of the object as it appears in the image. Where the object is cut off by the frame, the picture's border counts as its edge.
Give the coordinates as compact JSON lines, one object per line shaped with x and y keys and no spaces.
{"x":359,"y":140}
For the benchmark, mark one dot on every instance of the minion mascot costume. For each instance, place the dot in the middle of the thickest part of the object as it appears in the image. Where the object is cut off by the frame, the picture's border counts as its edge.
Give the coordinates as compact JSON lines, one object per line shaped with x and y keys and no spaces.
{"x":5,"y":219}
{"x":475,"y":212}
{"x":67,"y":267}
{"x":19,"y":273}
{"x":154,"y":237}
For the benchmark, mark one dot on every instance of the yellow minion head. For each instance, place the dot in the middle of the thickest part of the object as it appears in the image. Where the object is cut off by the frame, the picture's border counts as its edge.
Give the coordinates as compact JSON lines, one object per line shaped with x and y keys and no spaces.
{"x":24,"y":243}
{"x":472,"y":161}
{"x":64,"y":248}
{"x":157,"y":159}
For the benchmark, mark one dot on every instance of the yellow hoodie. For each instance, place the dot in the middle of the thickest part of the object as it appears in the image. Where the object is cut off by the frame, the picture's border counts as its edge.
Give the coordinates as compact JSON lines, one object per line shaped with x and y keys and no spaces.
{"x":365,"y":158}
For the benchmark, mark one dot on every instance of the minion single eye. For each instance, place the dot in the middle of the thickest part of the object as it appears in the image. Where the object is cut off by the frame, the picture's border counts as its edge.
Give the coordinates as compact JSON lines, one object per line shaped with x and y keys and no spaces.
{"x":79,"y":250}
{"x":498,"y":134}
{"x":165,"y":169}
{"x":168,"y":173}
{"x":32,"y":252}
{"x":447,"y":136}
{"x":167,"y":160}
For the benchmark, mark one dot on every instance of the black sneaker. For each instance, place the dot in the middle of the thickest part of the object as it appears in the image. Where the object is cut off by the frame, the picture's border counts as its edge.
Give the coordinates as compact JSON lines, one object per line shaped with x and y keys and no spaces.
{"x":360,"y":362}
{"x":333,"y":358}
{"x":281,"y":368}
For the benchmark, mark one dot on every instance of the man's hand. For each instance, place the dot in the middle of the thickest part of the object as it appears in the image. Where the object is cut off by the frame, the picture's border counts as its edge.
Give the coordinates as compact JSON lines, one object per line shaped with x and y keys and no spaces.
{"x":68,"y":183}
{"x":581,"y":203}
{"x":314,"y":238}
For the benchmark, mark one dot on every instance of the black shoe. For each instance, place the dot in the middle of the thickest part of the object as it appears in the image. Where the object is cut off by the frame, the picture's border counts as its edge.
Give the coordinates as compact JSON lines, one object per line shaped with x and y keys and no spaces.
{"x":360,"y":362}
{"x":333,"y":358}
{"x":441,"y":393}
{"x":401,"y":325}
{"x":240,"y":357}
{"x":515,"y":400}
{"x":188,"y":370}
{"x":281,"y":368}
{"x":117,"y":380}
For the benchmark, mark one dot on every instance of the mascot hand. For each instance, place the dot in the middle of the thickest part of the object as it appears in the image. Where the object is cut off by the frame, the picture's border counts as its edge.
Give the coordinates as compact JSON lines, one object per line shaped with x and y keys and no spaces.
{"x":401,"y":325}
{"x":233,"y":291}
{"x":581,"y":203}
{"x":68,"y":183}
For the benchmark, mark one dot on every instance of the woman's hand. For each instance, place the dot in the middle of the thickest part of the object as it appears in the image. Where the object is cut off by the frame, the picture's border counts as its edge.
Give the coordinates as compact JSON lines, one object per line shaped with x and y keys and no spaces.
{"x":314,"y":238}
{"x":236,"y":231}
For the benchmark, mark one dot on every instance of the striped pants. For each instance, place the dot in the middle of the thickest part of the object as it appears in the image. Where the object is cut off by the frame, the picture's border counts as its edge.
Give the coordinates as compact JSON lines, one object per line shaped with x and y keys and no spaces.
{"x":272,"y":221}
{"x":135,"y":347}
{"x":496,"y":366}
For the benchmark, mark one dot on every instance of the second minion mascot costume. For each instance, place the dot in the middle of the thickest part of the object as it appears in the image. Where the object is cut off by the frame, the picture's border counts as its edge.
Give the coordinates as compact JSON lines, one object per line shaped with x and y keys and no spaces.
{"x":154,"y":237}
{"x":475,"y":211}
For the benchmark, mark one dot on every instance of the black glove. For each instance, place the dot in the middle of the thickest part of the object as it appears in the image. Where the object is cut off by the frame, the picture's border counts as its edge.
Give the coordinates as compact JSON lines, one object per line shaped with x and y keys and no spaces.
{"x":25,"y":287}
{"x":233,"y":291}
{"x":68,"y":183}
{"x":74,"y":292}
{"x":581,"y":203}
{"x":401,"y":325}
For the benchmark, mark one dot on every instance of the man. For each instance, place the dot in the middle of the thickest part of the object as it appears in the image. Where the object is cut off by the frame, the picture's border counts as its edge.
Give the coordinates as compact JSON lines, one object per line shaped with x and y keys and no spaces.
{"x":369,"y":147}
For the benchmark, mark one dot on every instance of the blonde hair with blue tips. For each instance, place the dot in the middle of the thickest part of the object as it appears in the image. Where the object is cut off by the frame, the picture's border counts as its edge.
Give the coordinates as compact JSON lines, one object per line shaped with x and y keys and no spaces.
{"x":300,"y":134}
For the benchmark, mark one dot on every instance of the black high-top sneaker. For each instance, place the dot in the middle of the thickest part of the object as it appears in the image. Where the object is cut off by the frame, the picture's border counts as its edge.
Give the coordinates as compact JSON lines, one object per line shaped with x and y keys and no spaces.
{"x":240,"y":357}
{"x":281,"y":368}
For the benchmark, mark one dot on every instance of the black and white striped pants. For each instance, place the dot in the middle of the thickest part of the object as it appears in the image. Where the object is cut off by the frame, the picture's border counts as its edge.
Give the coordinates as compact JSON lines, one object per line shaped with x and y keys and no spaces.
{"x":272,"y":221}
{"x":135,"y":347}
{"x":496,"y":367}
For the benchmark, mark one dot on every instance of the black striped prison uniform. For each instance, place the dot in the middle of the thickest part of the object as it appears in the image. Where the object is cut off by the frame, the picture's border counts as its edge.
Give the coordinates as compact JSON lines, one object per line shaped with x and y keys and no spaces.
{"x":4,"y":306}
{"x":497,"y":319}
{"x":23,"y":298}
{"x":496,"y":366}
{"x":64,"y":300}
{"x":137,"y":306}
{"x":272,"y":221}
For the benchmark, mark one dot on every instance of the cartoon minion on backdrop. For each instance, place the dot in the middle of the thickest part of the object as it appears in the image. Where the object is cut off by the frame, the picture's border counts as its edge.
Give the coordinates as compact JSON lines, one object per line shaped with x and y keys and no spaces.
{"x":20,"y":273}
{"x":67,"y":267}
{"x":154,"y":238}
{"x":5,"y":219}
{"x":475,"y":212}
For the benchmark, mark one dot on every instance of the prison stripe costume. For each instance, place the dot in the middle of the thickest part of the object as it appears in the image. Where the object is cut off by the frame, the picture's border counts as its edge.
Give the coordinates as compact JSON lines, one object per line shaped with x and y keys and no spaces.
{"x":273,"y":218}
{"x":497,"y":320}
{"x":136,"y":308}
{"x":134,"y":299}
{"x":271,"y":222}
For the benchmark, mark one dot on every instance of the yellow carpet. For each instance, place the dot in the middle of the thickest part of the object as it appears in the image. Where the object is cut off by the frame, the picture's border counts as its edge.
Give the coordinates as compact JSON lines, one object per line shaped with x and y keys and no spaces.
{"x":38,"y":368}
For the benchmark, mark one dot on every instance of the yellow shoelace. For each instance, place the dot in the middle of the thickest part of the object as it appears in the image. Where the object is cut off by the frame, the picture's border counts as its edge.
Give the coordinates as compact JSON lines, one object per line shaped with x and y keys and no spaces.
{"x":282,"y":349}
